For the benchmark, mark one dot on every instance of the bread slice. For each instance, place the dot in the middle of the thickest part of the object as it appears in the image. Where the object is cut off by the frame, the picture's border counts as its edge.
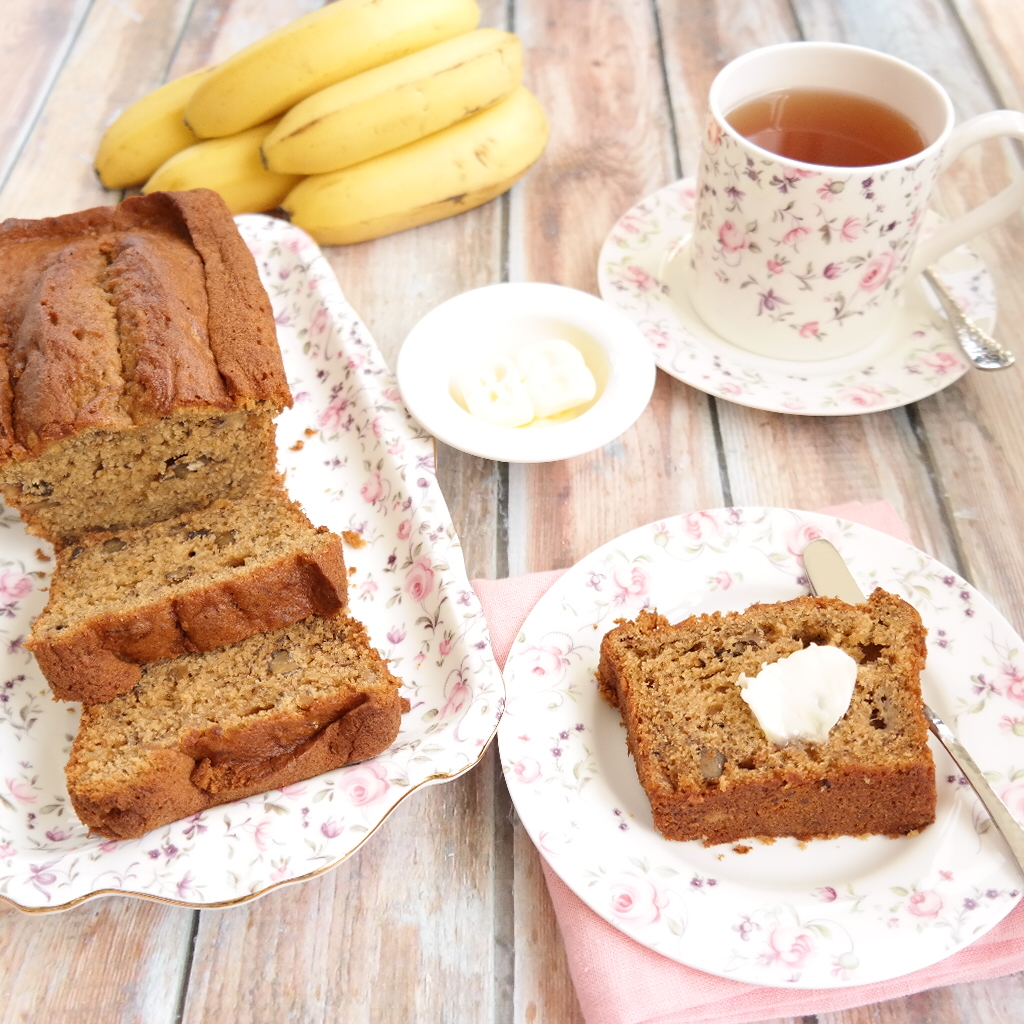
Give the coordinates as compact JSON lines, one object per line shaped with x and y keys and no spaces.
{"x":705,"y":763}
{"x":193,"y":583}
{"x":205,"y":729}
{"x":139,"y":366}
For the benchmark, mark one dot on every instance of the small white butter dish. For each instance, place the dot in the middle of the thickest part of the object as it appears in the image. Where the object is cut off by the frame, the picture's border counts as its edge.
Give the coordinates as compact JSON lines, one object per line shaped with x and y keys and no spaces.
{"x":494,"y":322}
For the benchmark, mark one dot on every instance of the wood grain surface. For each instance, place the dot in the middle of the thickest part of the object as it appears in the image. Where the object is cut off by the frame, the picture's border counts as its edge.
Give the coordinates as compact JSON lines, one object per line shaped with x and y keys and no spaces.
{"x":444,"y":915}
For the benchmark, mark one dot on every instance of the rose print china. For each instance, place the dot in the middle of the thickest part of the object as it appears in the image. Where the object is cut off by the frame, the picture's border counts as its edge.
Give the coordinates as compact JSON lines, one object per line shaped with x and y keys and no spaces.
{"x":805,"y":262}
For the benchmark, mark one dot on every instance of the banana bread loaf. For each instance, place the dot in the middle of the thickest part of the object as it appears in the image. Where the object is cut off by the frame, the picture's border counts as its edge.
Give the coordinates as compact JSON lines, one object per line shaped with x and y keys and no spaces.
{"x":205,"y":729}
{"x":139,"y":365}
{"x":705,"y":763}
{"x":193,"y":583}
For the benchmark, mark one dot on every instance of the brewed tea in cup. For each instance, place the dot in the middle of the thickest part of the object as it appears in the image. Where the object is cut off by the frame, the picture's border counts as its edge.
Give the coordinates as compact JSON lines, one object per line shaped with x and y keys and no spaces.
{"x":825,"y":126}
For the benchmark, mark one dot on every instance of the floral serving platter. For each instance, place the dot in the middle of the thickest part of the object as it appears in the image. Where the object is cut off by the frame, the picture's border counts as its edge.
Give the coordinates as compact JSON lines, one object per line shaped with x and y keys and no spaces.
{"x":358,"y":464}
{"x":641,"y":271}
{"x":803,"y":915}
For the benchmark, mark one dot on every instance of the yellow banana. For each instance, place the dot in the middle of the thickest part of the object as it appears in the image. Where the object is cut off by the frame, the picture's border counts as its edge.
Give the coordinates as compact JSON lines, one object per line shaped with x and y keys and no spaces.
{"x":147,"y":133}
{"x":230,"y":166}
{"x":320,"y":48}
{"x":398,"y":103}
{"x":452,"y":170}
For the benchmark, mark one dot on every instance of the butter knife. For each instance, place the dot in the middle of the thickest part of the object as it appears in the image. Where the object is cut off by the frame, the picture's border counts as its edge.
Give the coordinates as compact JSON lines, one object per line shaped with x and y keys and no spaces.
{"x":829,"y":576}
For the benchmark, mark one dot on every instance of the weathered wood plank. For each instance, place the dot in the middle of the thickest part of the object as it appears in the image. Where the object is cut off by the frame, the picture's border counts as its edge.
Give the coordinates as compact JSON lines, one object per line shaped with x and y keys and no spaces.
{"x":416,"y":919}
{"x":596,"y":68}
{"x":400,"y":931}
{"x":120,"y":53}
{"x":33,"y":47}
{"x":104,"y":961}
{"x":996,"y":31}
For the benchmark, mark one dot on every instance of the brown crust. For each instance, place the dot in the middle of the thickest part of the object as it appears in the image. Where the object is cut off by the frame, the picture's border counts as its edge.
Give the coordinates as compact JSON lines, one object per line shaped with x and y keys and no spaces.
{"x":777,"y":793}
{"x":857,"y":801}
{"x":216,"y":765}
{"x":100,"y":659}
{"x":176,"y":784}
{"x":116,"y":316}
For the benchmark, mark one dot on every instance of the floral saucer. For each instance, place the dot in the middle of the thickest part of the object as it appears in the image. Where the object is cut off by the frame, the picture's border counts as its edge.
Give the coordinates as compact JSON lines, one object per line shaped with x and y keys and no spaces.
{"x":821,"y":914}
{"x":640,"y":271}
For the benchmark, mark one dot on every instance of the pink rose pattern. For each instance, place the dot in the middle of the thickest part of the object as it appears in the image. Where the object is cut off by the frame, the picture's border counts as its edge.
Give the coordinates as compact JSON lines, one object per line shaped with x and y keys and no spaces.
{"x":636,"y":900}
{"x":828,"y":936}
{"x":363,"y":465}
{"x":365,"y":784}
{"x":754,"y":213}
{"x":927,"y":360}
{"x":419,"y":580}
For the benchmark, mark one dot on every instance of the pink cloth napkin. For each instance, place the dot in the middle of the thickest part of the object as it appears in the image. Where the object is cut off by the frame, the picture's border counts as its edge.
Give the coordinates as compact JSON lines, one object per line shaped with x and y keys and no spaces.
{"x":619,"y":981}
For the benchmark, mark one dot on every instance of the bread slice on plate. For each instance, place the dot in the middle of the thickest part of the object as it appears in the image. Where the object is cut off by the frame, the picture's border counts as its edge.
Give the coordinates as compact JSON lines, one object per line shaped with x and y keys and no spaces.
{"x":708,"y":768}
{"x":193,"y":583}
{"x":206,"y":729}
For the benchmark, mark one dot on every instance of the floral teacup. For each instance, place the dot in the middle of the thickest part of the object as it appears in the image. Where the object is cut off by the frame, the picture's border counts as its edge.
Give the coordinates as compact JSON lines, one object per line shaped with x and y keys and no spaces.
{"x":802,"y":261}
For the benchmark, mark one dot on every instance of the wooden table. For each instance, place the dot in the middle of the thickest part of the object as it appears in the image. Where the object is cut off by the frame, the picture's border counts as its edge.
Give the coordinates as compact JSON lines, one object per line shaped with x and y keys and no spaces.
{"x":444,"y":916}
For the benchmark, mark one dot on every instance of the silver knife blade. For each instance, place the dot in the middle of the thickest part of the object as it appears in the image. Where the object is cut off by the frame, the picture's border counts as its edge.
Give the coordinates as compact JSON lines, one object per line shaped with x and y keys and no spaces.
{"x":829,"y":576}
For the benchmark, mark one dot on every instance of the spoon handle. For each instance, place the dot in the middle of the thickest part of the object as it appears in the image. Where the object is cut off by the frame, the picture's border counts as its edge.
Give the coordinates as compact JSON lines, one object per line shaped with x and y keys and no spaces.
{"x":980,"y":347}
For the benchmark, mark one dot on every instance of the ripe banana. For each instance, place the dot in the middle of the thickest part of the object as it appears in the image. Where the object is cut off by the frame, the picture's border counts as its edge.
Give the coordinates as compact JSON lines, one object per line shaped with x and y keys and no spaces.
{"x":320,"y":48}
{"x":147,"y":133}
{"x":398,"y":103}
{"x":452,"y":170}
{"x":230,"y":166}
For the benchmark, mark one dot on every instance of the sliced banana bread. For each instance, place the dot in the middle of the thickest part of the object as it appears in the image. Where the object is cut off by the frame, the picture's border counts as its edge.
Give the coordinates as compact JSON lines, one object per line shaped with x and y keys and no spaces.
{"x":193,"y":583}
{"x":705,"y":763}
{"x":139,"y":366}
{"x":205,"y":729}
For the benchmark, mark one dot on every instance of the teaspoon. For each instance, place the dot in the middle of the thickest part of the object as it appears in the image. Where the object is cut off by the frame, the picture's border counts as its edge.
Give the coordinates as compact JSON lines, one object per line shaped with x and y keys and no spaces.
{"x":980,"y":348}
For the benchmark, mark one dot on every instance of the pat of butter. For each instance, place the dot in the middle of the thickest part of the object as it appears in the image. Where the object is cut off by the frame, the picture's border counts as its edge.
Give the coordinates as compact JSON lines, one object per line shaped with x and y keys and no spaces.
{"x":495,"y":392}
{"x":555,"y":375}
{"x":802,"y":696}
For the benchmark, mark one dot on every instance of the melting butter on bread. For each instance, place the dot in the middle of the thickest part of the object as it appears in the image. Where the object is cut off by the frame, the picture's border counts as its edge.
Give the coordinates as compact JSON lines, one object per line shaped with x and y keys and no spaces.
{"x":707,"y":767}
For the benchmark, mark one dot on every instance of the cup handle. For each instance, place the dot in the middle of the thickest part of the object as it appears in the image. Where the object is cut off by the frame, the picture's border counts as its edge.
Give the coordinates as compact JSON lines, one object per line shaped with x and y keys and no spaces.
{"x":995,"y":123}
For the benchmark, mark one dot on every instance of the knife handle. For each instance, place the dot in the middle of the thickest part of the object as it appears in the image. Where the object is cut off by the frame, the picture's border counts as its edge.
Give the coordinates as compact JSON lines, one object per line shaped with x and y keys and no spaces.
{"x":1003,"y":820}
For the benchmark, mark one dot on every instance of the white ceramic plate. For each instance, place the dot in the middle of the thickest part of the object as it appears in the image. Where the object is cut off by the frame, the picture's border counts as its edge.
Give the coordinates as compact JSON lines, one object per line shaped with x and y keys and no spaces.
{"x":498,"y":318}
{"x":640,"y":272}
{"x":356,"y":461}
{"x":814,"y":915}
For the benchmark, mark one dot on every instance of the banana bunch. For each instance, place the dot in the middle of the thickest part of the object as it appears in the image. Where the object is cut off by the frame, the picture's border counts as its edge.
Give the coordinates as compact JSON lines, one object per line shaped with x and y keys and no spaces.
{"x":315,"y":51}
{"x":437,"y":176}
{"x":395,"y":104}
{"x":362,"y":118}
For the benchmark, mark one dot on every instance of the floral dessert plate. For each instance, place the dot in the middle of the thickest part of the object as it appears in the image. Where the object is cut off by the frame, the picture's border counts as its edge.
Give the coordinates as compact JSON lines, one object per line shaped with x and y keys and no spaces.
{"x":641,"y":271}
{"x":821,"y":914}
{"x":358,"y":464}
